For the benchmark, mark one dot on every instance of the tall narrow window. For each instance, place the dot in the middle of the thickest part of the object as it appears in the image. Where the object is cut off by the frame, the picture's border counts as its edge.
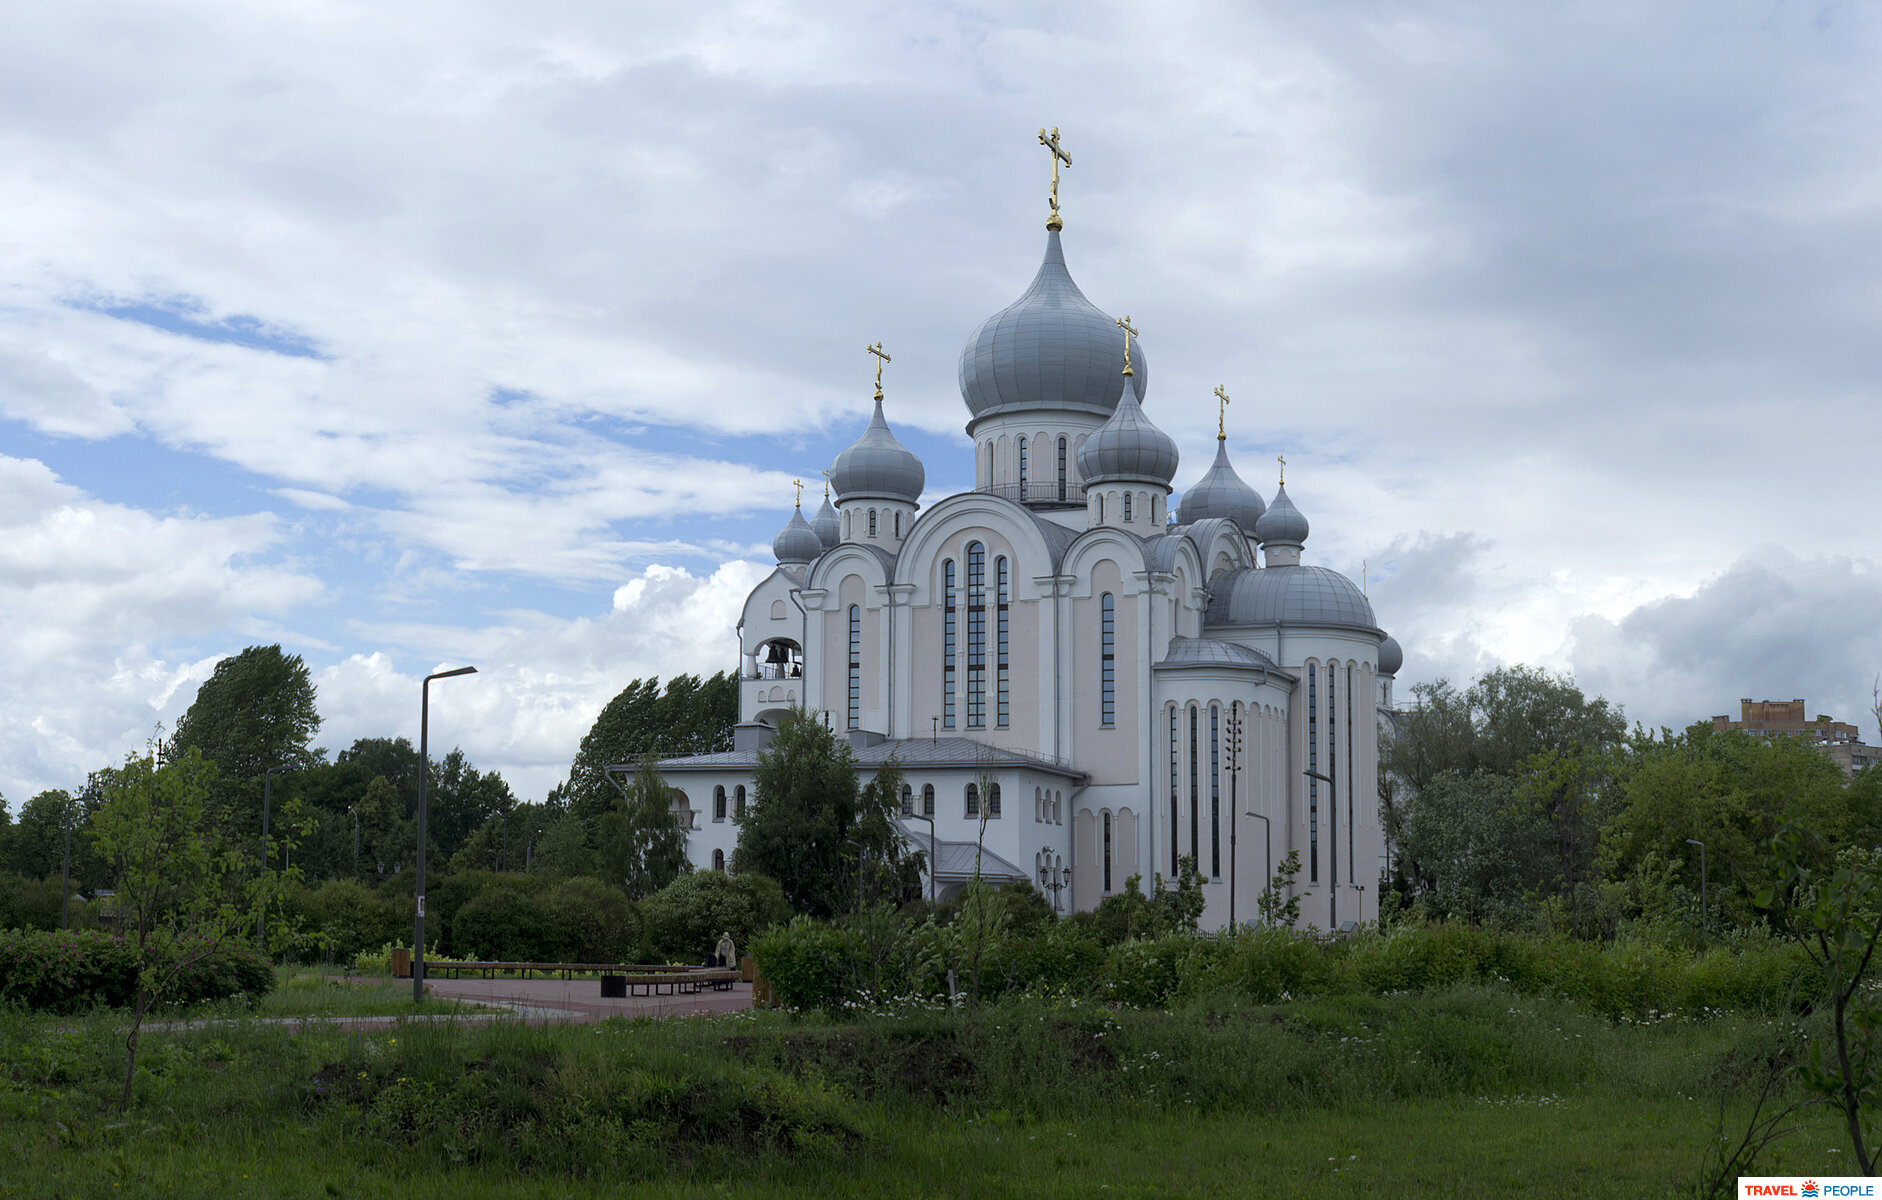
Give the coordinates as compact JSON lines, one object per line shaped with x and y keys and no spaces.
{"x":1022,"y":469}
{"x":1002,"y":599}
{"x":1100,"y":508}
{"x":1215,"y":792}
{"x":898,"y":522}
{"x":1352,"y":845}
{"x":949,"y":636}
{"x":856,"y":664}
{"x":1173,"y":758}
{"x":738,"y":801}
{"x":1107,"y":853}
{"x":973,"y":801}
{"x":1195,"y":800}
{"x":1333,"y":773}
{"x":1061,"y":468}
{"x":908,"y":800}
{"x":1107,"y":659}
{"x":927,"y":799}
{"x":1127,"y":508}
{"x":976,"y":636}
{"x":1313,"y":764}
{"x":718,"y":861}
{"x":872,"y":522}
{"x":718,"y":803}
{"x":993,"y":801}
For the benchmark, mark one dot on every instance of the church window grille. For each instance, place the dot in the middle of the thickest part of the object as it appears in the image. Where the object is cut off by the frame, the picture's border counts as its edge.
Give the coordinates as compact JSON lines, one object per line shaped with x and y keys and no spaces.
{"x":1022,"y":469}
{"x":1107,"y":854}
{"x":1215,"y":792}
{"x":718,"y":803}
{"x":738,"y":801}
{"x":1003,"y":596}
{"x":1174,"y":726}
{"x":872,"y":522}
{"x":949,"y":636}
{"x":908,"y":800}
{"x":1107,"y":660}
{"x":1127,"y":508}
{"x":1195,"y":806}
{"x":856,"y":665}
{"x":976,"y":636}
{"x":973,"y":801}
{"x":1313,"y":764}
{"x":1061,"y":469}
{"x":993,"y":802}
{"x":927,"y":799}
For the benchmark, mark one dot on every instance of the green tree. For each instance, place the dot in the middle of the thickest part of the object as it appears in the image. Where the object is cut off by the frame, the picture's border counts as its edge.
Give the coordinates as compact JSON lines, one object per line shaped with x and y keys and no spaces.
{"x":640,"y":840}
{"x":812,"y":828}
{"x":256,"y":710}
{"x":38,"y":837}
{"x":690,"y":716}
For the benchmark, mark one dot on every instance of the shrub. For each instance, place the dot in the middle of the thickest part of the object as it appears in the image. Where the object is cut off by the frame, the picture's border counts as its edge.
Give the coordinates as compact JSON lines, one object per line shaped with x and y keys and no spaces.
{"x":28,"y":903}
{"x":501,"y":924}
{"x":341,"y":918}
{"x":809,"y":963}
{"x":599,"y":923}
{"x":685,"y":918}
{"x":70,"y":972}
{"x":1272,"y":961}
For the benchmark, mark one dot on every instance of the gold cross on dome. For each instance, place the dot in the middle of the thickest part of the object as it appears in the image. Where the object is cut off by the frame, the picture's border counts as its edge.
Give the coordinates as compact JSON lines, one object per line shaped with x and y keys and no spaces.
{"x":826,"y":483}
{"x":1282,"y":459}
{"x":1058,"y":155}
{"x":799,"y":485}
{"x":1130,"y":331}
{"x":1221,"y":414}
{"x":880,"y":359}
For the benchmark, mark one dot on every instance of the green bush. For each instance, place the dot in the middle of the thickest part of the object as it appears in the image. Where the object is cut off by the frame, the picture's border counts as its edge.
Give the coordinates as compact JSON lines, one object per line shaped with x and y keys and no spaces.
{"x":685,"y":918}
{"x":70,"y":972}
{"x":340,"y":918}
{"x":1269,"y":962}
{"x":810,"y":963}
{"x":28,"y":903}
{"x":504,"y":925}
{"x":599,"y":922}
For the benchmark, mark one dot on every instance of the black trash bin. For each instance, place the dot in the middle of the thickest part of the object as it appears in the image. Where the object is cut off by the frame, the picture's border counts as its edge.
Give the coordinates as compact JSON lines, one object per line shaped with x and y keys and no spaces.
{"x":614,"y":987}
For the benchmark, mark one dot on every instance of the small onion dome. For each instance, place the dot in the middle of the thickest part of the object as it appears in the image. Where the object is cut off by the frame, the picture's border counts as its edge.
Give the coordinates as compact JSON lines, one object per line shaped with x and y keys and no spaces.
{"x":829,"y":530}
{"x":1049,"y":350}
{"x":1391,"y":656}
{"x":1292,"y":595}
{"x":878,"y":466}
{"x":1128,"y":448}
{"x":1221,"y":493}
{"x":797,"y":542}
{"x":1282,"y":524}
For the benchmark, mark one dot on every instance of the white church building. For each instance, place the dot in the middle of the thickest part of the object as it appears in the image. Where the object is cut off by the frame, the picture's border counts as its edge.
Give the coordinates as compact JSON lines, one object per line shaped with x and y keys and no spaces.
{"x":1082,"y":677}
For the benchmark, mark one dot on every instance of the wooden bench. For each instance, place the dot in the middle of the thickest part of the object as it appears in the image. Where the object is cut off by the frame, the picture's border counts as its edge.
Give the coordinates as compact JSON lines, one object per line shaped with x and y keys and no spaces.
{"x":451,"y":970}
{"x":687,"y":982}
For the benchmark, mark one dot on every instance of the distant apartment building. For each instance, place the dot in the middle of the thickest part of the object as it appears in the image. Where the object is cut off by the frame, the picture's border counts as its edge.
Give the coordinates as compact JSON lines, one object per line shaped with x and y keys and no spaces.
{"x":1785,"y":718}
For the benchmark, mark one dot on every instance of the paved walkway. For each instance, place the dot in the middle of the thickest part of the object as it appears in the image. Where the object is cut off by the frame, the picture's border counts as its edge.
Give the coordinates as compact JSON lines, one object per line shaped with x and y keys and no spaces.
{"x":575,"y":1001}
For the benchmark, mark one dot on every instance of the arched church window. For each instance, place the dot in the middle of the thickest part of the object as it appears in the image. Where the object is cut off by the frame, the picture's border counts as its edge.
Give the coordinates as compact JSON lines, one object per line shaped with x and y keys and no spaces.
{"x":1107,"y":659}
{"x":1022,"y":468}
{"x":898,"y":522}
{"x":1215,"y":792}
{"x":1107,"y":853}
{"x":872,"y":522}
{"x":1061,"y":467}
{"x":718,"y":861}
{"x":993,"y":801}
{"x":1127,"y":508}
{"x":1038,"y":804}
{"x":738,"y":801}
{"x":846,"y":524}
{"x":908,"y":800}
{"x":950,"y":636}
{"x":718,"y":803}
{"x":927,"y":799}
{"x":856,"y":665}
{"x":1195,"y":799}
{"x":1100,"y":508}
{"x":973,"y":802}
{"x":1313,"y":767}
{"x":1175,"y":725}
{"x":1002,"y":599}
{"x":976,"y":636}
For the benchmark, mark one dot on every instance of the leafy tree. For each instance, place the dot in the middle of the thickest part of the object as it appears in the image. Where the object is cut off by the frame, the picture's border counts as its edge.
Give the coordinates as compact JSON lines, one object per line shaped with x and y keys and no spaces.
{"x":1278,"y":903}
{"x":1477,"y":846}
{"x":640,"y":841}
{"x":690,"y":716}
{"x":685,"y":918}
{"x":808,"y":821}
{"x":255,"y":711}
{"x":38,"y":838}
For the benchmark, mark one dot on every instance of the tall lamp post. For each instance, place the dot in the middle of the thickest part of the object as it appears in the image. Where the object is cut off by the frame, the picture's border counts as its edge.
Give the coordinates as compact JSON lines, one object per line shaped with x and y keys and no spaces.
{"x":934,"y":849}
{"x":65,"y":895}
{"x":267,"y":807}
{"x":1267,"y":837}
{"x":424,"y":770}
{"x":1705,"y":912}
{"x":1053,"y":879}
{"x":1333,"y":848}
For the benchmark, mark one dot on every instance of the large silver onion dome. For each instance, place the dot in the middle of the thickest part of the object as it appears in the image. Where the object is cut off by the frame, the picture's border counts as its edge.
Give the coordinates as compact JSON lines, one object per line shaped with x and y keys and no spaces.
{"x":1221,"y":493}
{"x":1391,"y":656}
{"x":1128,"y":447}
{"x":878,"y":466}
{"x":1282,"y":524}
{"x":1051,"y":349}
{"x":828,"y":529}
{"x":796,"y":542}
{"x":1288,"y":596}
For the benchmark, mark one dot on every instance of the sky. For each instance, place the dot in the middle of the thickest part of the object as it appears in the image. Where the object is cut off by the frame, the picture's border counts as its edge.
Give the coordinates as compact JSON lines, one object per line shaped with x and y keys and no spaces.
{"x":429,"y":334}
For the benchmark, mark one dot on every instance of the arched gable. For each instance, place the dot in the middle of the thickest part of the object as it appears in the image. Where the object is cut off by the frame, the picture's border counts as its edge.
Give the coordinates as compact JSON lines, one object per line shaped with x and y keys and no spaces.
{"x":1102,"y":542}
{"x":850,"y":558}
{"x":757,"y":622}
{"x":963,"y":515}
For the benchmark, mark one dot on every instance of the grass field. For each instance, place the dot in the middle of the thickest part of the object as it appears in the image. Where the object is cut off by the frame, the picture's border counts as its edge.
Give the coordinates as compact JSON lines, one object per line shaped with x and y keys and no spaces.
{"x":1465,"y":1093}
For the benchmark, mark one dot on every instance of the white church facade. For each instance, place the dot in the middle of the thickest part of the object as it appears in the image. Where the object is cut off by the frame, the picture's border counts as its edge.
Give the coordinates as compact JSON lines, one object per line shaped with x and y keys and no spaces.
{"x":1081,"y":679}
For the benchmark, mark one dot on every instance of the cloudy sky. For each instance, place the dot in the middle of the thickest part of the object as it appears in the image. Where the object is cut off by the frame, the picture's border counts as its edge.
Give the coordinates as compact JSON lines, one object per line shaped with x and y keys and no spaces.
{"x":417,"y":335}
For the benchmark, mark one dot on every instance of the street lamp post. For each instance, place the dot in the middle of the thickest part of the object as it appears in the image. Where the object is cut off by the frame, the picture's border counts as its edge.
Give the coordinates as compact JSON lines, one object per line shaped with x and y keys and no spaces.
{"x":355,"y":812}
{"x":934,"y":850}
{"x":1333,"y":849}
{"x":267,"y":806}
{"x":1267,"y":837}
{"x":1705,"y":912}
{"x":1053,"y":879}
{"x":424,"y":770}
{"x":65,"y":895}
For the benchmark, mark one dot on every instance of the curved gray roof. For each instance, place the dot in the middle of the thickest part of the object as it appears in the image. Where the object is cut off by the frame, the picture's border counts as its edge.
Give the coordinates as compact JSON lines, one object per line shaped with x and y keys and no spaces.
{"x":1293,"y":595}
{"x":796,"y":542}
{"x":878,"y":466}
{"x":1391,"y":656}
{"x":1221,"y":493}
{"x":1208,"y":652}
{"x":1128,"y":448}
{"x":1050,"y":349}
{"x":1160,"y":551}
{"x":1282,"y":523}
{"x":828,"y":528}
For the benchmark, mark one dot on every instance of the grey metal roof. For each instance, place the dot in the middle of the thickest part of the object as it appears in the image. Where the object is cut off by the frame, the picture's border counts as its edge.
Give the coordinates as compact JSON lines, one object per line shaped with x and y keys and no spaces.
{"x":796,"y":542}
{"x":1293,"y":595}
{"x":878,"y":466}
{"x":1160,"y":550}
{"x":1128,"y":448}
{"x":828,"y":528}
{"x":1391,"y":656}
{"x":1221,"y":493}
{"x":955,"y":860}
{"x":1282,"y":523}
{"x":1049,"y":349}
{"x":1208,"y":652}
{"x":911,"y":753}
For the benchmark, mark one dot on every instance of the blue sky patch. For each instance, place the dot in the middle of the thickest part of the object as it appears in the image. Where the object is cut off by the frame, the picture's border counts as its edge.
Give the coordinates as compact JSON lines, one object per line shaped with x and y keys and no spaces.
{"x":189,"y":317}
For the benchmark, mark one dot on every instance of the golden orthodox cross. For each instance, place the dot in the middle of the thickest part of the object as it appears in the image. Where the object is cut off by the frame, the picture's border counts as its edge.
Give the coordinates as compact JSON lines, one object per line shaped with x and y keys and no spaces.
{"x":1282,"y":459}
{"x":799,"y":485}
{"x":1221,"y":414}
{"x":826,"y":483}
{"x":880,"y":359}
{"x":1058,"y":155}
{"x":1130,"y":331}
